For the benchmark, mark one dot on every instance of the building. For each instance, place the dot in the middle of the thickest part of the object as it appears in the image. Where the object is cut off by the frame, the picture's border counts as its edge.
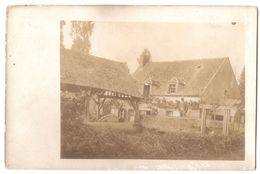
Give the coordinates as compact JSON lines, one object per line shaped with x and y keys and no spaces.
{"x":97,"y":80}
{"x":203,"y":80}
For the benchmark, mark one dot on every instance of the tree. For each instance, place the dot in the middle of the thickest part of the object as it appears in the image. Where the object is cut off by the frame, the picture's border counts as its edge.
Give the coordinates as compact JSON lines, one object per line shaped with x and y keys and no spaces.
{"x":80,"y":33}
{"x":242,"y":86}
{"x":144,"y":58}
{"x":62,"y":23}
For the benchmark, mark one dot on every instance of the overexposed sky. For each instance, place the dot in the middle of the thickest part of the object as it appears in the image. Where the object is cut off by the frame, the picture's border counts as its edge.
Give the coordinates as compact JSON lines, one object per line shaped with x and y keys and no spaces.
{"x":125,"y":41}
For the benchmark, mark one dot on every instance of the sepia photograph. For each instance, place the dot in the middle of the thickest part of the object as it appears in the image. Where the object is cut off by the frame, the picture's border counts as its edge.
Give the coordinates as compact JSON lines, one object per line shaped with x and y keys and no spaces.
{"x":110,"y":87}
{"x":146,"y":90}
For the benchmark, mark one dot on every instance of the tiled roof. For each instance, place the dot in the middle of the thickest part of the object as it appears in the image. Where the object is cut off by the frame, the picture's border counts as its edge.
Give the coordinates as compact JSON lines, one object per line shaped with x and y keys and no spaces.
{"x":90,"y":71}
{"x":193,"y":75}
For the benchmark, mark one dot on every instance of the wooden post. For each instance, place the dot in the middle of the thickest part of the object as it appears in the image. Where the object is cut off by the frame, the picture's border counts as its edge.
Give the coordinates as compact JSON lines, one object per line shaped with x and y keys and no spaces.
{"x":239,"y":120}
{"x":203,"y":121}
{"x":225,"y":122}
{"x":87,"y":100}
{"x":101,"y":106}
{"x":127,"y":115}
{"x":137,"y":114}
{"x":135,"y":105}
{"x":98,"y":107}
{"x":87,"y":97}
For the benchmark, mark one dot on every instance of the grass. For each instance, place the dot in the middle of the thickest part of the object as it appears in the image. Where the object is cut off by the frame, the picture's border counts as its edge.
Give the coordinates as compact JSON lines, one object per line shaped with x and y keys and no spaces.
{"x":123,"y":141}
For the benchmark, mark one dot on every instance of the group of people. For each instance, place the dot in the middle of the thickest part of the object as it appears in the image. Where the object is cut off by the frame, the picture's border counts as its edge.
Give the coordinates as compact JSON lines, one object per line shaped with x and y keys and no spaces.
{"x":181,"y":105}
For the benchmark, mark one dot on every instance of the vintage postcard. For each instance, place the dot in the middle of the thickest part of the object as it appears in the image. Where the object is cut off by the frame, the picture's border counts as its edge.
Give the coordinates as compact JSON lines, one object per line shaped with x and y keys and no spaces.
{"x":152,"y":87}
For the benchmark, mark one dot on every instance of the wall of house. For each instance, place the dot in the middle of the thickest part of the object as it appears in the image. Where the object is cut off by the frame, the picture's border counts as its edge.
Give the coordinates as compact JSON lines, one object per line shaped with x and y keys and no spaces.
{"x":223,"y":80}
{"x":221,"y":111}
{"x":176,"y":98}
{"x":194,"y":113}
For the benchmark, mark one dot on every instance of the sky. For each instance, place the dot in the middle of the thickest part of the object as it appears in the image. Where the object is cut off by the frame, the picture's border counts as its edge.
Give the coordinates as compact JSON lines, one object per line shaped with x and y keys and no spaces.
{"x":125,"y":41}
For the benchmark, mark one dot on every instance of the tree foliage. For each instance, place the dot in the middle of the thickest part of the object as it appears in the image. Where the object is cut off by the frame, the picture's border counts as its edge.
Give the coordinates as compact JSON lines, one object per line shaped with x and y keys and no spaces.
{"x":144,"y":58}
{"x":62,"y":23}
{"x":242,"y":86}
{"x":81,"y":32}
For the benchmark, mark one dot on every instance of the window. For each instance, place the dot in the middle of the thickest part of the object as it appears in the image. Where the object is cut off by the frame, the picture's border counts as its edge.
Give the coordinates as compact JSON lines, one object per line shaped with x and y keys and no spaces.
{"x":146,"y":91}
{"x":148,"y":112}
{"x":219,"y":117}
{"x":172,"y":88}
{"x":169,"y":113}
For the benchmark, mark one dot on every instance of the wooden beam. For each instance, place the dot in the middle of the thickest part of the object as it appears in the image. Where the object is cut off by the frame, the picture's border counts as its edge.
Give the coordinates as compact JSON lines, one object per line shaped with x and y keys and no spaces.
{"x":203,"y":121}
{"x":95,"y":100}
{"x":102,"y":103}
{"x":99,"y":94}
{"x":226,"y":122}
{"x":115,"y":97}
{"x":98,"y":109}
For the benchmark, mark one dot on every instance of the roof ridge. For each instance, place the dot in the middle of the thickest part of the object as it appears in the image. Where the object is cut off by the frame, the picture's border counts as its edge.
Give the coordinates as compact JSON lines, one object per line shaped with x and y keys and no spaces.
{"x":106,"y":59}
{"x":92,"y":56}
{"x":187,"y":60}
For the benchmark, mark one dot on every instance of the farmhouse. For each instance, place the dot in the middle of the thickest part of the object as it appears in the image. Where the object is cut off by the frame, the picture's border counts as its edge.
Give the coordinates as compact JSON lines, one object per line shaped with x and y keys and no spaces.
{"x":96,"y":80}
{"x":210,"y":81}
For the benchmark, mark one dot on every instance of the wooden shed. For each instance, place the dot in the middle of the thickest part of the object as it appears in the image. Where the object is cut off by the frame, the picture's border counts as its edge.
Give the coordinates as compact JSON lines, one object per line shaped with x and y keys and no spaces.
{"x":97,"y":76}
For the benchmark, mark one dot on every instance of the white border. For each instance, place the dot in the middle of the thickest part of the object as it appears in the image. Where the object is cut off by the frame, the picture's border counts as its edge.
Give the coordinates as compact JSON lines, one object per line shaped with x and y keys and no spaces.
{"x":2,"y":31}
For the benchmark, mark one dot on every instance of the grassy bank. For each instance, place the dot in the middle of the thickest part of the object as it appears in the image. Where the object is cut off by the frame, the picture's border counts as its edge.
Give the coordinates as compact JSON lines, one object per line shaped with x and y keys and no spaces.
{"x":122,"y":141}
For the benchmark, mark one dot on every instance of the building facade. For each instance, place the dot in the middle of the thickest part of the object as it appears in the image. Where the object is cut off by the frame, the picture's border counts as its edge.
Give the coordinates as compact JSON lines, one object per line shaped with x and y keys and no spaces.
{"x":210,"y":81}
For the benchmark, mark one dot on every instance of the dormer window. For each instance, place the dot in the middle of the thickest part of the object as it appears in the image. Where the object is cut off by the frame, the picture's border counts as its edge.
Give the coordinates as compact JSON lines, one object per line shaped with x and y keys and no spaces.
{"x":172,"y":88}
{"x":173,"y":85}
